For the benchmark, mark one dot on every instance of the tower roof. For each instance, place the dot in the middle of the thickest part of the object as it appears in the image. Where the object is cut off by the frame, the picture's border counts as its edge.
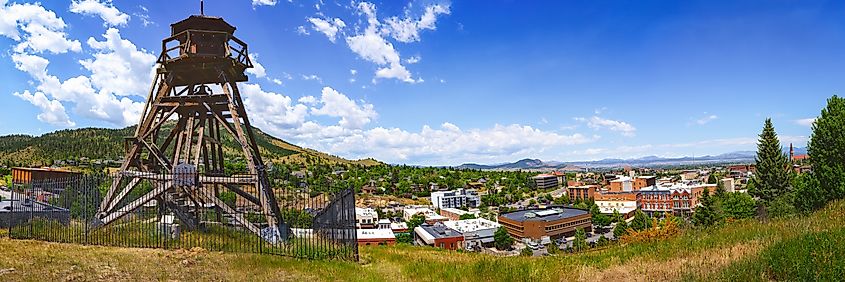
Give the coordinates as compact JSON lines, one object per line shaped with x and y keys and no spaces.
{"x":202,"y":22}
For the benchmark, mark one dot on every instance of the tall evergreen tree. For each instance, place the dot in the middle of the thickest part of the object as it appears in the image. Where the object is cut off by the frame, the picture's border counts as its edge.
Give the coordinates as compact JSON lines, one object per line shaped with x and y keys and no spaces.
{"x":827,"y":156}
{"x":706,"y":214}
{"x":580,"y":242}
{"x":772,"y":178}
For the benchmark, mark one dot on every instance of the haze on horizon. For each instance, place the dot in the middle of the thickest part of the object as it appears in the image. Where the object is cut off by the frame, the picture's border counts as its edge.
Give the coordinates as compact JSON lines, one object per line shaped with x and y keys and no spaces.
{"x":437,"y":82}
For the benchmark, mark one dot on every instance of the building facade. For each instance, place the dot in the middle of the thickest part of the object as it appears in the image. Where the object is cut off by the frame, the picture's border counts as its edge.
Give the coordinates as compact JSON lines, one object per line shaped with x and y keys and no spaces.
{"x":678,"y":199}
{"x":581,"y":193}
{"x":545,"y":181}
{"x":477,"y":232}
{"x":366,"y":217}
{"x":552,"y":222}
{"x":455,"y":199}
{"x":438,"y":235}
{"x":374,"y":237}
{"x":623,"y":202}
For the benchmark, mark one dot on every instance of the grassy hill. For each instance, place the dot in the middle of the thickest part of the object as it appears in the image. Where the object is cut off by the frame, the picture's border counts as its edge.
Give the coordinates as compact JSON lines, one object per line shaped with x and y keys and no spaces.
{"x":801,"y":248}
{"x":107,"y":144}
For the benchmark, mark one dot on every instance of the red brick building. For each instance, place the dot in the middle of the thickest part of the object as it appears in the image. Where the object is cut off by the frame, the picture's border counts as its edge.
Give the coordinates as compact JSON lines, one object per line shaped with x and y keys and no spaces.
{"x":552,"y":222}
{"x":581,"y":192}
{"x":438,"y":236}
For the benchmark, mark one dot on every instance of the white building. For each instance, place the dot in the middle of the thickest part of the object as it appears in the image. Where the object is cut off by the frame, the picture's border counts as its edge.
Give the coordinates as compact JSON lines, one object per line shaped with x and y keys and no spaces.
{"x":455,"y":199}
{"x":729,"y":185}
{"x":620,"y":205}
{"x":366,"y":217}
{"x":430,"y":216}
{"x":477,"y":232}
{"x":384,"y":224}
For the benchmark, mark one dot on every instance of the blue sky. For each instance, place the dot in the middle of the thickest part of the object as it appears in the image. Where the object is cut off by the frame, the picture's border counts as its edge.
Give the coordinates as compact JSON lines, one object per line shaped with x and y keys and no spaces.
{"x":444,"y":83}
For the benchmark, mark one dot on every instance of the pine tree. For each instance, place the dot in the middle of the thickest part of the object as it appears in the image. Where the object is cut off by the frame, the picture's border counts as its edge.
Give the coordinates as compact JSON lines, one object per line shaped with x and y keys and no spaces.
{"x":706,"y":214}
{"x":641,"y":221}
{"x":580,"y":242}
{"x":772,"y":178}
{"x":827,"y":155}
{"x":621,"y":229}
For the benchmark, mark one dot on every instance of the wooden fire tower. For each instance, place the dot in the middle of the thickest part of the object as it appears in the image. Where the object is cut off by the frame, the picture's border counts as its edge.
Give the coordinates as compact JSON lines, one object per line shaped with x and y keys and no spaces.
{"x":195,"y":86}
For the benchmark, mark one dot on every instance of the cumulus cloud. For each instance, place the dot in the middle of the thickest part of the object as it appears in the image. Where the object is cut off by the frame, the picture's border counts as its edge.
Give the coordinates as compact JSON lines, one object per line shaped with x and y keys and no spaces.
{"x":805,"y":121}
{"x":104,"y":9}
{"x":35,"y":29}
{"x":302,"y":122}
{"x":257,"y":69}
{"x":596,"y":122}
{"x":372,"y":44}
{"x":272,"y":111}
{"x":52,"y":111}
{"x":118,"y":66}
{"x":329,"y":27}
{"x":352,"y":114}
{"x":118,"y":70}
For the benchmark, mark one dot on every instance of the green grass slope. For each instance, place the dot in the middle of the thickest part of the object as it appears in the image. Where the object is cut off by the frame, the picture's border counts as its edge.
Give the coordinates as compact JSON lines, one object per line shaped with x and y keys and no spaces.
{"x":804,"y":248}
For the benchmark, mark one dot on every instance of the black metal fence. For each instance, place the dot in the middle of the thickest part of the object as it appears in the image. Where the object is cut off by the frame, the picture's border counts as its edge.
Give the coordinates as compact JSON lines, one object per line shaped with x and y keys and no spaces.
{"x":317,"y":221}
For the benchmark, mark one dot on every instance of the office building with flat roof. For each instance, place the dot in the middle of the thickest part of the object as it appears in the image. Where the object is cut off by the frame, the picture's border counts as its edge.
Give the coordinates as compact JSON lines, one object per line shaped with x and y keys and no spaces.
{"x":554,"y":222}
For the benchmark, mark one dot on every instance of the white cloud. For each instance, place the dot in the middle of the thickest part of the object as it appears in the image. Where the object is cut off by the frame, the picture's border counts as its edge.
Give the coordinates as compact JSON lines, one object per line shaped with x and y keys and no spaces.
{"x":302,"y":30}
{"x":104,"y":9}
{"x":706,"y":119}
{"x":143,"y":16}
{"x":353,"y":71}
{"x":119,"y":67}
{"x":313,"y":77}
{"x":309,"y":100}
{"x":52,"y":111}
{"x":447,"y":144}
{"x":450,"y":144}
{"x":372,"y":46}
{"x":257,"y":69}
{"x":413,"y":60}
{"x":805,"y":121}
{"x":597,"y":122}
{"x":352,"y":115}
{"x":272,"y":111}
{"x":408,"y":29}
{"x":264,"y":3}
{"x":42,"y":29}
{"x":328,"y":27}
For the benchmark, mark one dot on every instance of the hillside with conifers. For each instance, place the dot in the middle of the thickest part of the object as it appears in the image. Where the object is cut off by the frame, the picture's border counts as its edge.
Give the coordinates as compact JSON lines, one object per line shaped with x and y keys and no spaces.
{"x":108,"y":144}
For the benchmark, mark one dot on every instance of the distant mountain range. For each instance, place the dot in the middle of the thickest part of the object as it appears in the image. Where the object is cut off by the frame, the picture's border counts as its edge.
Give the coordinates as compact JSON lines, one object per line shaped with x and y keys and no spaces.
{"x":648,"y":161}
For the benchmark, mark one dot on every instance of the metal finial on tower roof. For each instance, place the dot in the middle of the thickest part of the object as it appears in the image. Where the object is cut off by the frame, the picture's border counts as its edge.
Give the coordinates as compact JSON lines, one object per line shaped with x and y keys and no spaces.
{"x":202,"y":8}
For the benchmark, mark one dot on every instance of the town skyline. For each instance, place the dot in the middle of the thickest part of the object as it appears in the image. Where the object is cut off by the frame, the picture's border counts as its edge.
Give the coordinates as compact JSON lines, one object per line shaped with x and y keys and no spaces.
{"x":445,"y":83}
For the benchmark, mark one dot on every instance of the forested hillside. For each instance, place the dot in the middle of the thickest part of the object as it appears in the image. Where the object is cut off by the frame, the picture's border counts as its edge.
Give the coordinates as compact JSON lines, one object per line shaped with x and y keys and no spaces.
{"x":108,"y":144}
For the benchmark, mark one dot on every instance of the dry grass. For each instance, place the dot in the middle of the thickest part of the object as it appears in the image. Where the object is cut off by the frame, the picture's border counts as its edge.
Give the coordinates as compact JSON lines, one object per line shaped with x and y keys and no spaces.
{"x":652,"y":269}
{"x":694,"y":255}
